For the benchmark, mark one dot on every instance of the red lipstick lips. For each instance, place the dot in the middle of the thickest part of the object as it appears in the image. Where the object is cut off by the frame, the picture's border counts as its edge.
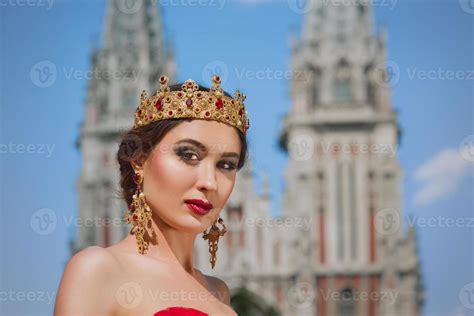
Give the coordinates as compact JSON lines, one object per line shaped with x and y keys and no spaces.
{"x":199,"y":206}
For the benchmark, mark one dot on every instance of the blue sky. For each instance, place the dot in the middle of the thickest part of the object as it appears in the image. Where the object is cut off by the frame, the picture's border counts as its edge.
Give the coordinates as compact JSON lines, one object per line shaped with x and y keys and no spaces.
{"x":425,"y":40}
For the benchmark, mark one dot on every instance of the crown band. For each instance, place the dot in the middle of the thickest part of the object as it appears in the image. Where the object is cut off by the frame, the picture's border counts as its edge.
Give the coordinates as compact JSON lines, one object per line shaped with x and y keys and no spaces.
{"x":190,"y":102}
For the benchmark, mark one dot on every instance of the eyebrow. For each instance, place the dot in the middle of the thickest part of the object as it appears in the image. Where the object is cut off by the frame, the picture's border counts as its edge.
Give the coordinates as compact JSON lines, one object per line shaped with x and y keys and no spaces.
{"x":202,"y":147}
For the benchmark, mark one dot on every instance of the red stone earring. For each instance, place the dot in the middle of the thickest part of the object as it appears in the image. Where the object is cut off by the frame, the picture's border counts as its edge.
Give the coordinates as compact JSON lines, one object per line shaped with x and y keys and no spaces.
{"x":138,"y":214}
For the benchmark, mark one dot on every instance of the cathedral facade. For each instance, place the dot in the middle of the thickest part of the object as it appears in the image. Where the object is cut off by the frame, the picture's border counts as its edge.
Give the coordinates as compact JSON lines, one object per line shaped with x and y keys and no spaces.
{"x":132,"y":57}
{"x":338,"y":247}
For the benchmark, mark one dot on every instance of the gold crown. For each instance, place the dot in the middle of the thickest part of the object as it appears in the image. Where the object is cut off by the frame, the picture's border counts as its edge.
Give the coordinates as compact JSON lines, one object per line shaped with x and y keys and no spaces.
{"x":190,"y":102}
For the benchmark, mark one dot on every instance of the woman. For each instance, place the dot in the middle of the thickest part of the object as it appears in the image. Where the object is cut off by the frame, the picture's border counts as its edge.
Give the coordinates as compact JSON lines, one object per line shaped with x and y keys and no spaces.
{"x":178,"y":167}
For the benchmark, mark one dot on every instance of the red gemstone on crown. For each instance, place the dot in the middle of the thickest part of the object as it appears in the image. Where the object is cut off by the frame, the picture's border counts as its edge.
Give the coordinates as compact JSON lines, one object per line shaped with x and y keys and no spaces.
{"x":207,"y":113}
{"x":219,"y":104}
{"x":158,"y":104}
{"x":135,"y":217}
{"x":241,"y":112}
{"x":189,"y":102}
{"x":170,"y":113}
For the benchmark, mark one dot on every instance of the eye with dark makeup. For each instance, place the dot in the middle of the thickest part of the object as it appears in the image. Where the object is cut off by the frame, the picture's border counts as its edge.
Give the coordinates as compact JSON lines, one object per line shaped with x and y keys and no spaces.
{"x":185,"y":154}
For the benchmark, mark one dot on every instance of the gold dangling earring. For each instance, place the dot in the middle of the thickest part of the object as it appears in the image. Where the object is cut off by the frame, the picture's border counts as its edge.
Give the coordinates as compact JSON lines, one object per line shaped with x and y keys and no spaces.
{"x":213,"y":237}
{"x":138,"y":214}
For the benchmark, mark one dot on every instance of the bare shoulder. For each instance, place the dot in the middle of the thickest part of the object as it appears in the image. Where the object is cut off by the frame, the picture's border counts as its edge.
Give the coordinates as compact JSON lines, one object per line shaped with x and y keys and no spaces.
{"x":221,"y":287}
{"x":84,"y":286}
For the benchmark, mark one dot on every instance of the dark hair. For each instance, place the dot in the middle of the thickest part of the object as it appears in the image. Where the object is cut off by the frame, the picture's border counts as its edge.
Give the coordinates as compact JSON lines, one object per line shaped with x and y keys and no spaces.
{"x":138,"y":143}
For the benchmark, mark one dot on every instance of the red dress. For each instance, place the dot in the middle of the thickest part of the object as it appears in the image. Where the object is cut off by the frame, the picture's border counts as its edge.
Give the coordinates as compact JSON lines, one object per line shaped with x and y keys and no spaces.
{"x":180,"y":311}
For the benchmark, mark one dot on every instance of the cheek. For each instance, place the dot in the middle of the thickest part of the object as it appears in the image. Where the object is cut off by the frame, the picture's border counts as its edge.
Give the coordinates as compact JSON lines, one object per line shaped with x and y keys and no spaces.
{"x":226,"y":186}
{"x":167,"y":177}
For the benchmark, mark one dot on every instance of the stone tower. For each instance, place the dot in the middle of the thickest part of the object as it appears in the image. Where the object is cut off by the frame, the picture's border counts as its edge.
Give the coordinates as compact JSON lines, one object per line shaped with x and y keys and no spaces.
{"x":341,"y":135}
{"x":132,"y":56}
{"x":338,"y":247}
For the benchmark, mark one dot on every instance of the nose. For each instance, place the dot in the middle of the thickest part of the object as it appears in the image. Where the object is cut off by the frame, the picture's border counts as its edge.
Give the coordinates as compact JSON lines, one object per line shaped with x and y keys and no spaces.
{"x":207,"y":176}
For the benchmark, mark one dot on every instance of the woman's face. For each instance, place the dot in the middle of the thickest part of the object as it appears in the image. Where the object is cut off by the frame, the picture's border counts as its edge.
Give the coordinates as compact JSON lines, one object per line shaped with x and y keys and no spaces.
{"x":179,"y":169}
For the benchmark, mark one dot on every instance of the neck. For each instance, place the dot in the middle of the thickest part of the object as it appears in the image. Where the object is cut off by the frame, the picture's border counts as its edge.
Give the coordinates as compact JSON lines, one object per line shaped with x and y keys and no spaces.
{"x":171,"y":244}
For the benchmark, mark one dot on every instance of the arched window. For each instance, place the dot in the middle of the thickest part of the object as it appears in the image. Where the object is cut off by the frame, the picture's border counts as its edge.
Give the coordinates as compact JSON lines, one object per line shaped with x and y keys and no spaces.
{"x":369,"y":86}
{"x":342,"y":82}
{"x":314,"y":87}
{"x":361,"y":9}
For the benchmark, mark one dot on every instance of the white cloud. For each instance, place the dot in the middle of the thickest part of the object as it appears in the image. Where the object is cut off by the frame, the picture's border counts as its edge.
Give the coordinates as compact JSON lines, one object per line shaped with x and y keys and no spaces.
{"x":441,"y":176}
